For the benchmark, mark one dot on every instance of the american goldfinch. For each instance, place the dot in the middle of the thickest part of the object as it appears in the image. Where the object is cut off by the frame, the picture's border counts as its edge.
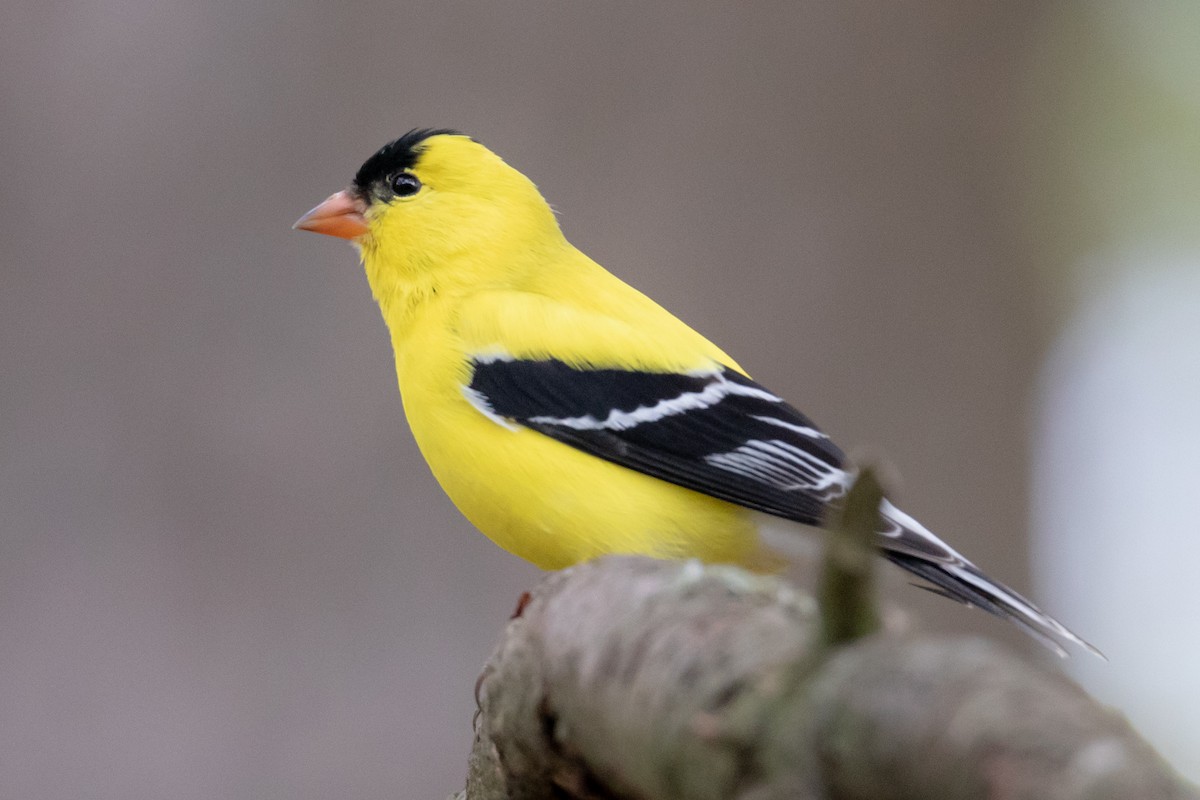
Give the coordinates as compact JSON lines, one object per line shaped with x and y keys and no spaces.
{"x":566,"y":414}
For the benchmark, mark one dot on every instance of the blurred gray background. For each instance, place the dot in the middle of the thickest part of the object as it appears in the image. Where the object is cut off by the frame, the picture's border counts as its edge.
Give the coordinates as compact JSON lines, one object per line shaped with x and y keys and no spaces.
{"x":224,"y":568}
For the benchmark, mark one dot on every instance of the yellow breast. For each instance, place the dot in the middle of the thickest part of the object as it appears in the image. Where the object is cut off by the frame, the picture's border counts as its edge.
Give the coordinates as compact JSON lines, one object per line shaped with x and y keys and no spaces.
{"x":538,"y":498}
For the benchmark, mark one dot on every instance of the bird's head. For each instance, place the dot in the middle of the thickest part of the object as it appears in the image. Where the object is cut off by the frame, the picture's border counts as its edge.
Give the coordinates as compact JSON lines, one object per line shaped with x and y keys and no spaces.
{"x":435,"y":207}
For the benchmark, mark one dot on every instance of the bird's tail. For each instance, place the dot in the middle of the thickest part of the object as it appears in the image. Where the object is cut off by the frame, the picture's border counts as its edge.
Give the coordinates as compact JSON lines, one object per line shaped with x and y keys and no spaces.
{"x":915,"y":549}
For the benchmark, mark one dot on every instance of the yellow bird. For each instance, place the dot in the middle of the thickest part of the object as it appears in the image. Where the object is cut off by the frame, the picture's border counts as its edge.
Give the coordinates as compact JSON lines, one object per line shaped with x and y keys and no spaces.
{"x":568,"y":415}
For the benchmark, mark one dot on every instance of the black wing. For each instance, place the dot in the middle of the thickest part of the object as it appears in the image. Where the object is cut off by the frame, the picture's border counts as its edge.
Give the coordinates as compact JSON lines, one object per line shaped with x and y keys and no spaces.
{"x":716,"y":432}
{"x":720,"y":433}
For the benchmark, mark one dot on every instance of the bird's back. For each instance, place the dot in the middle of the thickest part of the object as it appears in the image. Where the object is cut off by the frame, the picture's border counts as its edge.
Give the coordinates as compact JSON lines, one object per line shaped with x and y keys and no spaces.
{"x":536,"y":497}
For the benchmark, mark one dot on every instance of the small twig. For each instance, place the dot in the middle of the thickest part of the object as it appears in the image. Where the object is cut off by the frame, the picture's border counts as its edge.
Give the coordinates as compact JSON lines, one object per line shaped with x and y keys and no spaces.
{"x":846,"y":592}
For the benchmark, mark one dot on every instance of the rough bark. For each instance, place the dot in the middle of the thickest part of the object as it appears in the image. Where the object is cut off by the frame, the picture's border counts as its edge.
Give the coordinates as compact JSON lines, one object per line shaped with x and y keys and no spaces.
{"x":639,"y":679}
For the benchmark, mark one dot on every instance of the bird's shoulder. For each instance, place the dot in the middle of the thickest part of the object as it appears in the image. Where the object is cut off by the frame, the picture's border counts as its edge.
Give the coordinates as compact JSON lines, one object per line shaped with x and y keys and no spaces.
{"x":593,"y":324}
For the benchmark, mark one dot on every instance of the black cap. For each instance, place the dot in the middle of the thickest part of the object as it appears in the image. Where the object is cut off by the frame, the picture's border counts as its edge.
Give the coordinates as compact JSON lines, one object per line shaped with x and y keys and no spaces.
{"x":395,"y":156}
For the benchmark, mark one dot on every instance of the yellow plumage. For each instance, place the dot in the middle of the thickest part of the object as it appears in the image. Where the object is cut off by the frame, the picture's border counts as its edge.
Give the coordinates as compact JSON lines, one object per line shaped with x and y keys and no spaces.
{"x":566,"y":414}
{"x":448,"y":292}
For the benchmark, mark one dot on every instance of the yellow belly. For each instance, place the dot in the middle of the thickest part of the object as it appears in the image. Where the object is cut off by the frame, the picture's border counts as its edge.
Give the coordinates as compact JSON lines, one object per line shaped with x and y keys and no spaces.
{"x":550,"y":503}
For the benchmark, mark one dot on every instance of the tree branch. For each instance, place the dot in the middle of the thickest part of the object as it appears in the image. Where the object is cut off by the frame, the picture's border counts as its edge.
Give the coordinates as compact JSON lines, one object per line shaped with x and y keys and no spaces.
{"x":633,"y":678}
{"x":846,"y":588}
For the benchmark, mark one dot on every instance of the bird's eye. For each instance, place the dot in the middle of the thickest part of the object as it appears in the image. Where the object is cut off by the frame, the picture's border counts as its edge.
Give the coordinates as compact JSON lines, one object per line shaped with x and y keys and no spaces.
{"x":404,"y":184}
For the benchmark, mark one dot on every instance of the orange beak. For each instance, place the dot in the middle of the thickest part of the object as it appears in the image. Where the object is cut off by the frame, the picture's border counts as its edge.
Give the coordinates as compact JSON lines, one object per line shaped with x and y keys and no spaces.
{"x":341,"y":215}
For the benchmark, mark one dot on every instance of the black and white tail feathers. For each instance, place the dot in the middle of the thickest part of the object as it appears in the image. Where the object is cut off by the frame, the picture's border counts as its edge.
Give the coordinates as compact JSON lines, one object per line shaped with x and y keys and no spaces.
{"x":717,"y":432}
{"x":910,"y":546}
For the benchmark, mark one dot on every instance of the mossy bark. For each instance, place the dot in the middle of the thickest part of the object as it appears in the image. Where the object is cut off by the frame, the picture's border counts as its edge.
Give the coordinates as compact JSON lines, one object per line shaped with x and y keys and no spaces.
{"x":629,"y":678}
{"x":633,"y":678}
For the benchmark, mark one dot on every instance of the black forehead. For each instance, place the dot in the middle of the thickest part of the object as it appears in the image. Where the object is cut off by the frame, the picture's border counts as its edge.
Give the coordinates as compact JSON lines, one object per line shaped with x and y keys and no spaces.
{"x":395,"y":156}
